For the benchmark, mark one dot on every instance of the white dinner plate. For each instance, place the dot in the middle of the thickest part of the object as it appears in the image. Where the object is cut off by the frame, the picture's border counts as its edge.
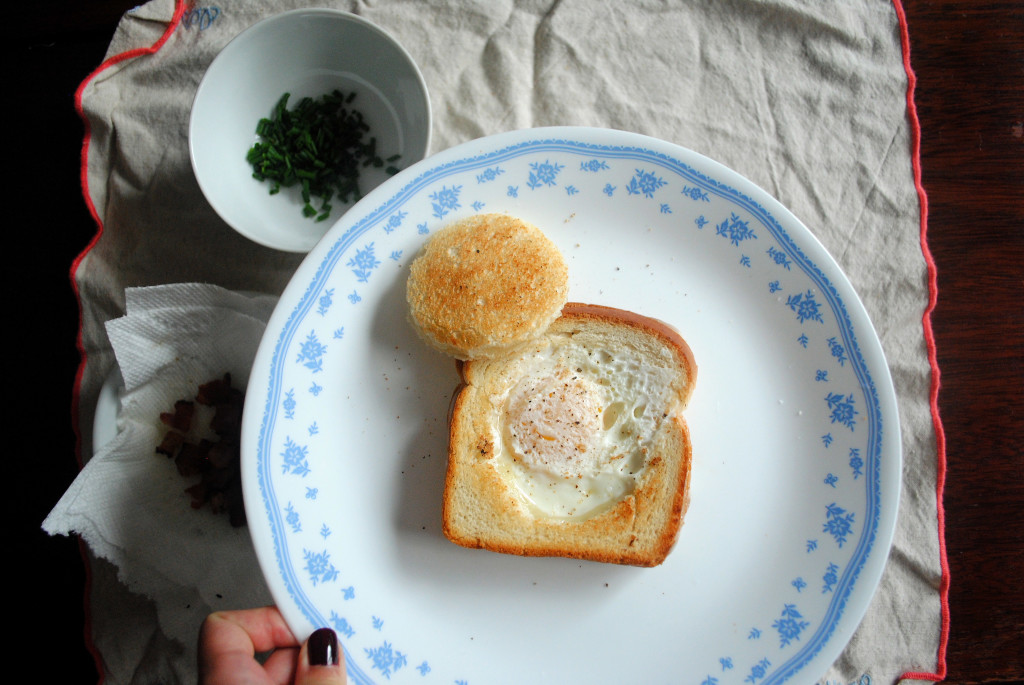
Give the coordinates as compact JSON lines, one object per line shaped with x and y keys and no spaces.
{"x":796,"y":444}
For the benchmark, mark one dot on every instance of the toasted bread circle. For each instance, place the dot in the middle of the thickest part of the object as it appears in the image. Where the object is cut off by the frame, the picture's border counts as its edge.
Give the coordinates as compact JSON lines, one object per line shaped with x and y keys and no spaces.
{"x":484,"y":285}
{"x":514,"y":427}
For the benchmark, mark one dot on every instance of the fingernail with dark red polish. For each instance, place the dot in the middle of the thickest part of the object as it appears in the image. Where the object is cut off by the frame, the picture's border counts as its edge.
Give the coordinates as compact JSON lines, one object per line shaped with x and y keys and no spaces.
{"x":323,"y":648}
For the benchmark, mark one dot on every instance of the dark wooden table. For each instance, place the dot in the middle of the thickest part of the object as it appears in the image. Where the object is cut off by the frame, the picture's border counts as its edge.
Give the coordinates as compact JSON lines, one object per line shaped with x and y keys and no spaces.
{"x":969,"y":62}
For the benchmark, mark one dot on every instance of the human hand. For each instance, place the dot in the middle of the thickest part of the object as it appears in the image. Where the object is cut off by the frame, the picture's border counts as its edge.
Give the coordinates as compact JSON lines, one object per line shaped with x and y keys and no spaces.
{"x":230,"y":640}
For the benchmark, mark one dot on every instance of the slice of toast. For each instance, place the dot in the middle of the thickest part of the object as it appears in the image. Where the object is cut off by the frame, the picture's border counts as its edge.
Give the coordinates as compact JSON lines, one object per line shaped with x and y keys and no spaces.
{"x":484,"y":284}
{"x":575,"y":445}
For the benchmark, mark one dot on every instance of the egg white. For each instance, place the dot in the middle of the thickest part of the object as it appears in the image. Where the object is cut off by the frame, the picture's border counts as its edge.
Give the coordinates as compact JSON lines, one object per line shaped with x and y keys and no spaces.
{"x":574,"y":425}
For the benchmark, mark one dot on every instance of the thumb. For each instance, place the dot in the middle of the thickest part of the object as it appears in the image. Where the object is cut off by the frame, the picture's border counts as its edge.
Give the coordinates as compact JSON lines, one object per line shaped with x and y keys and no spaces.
{"x":321,"y":661}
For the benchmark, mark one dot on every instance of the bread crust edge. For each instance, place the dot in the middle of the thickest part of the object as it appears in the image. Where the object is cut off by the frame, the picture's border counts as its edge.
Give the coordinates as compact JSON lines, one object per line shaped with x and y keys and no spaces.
{"x":662,"y":495}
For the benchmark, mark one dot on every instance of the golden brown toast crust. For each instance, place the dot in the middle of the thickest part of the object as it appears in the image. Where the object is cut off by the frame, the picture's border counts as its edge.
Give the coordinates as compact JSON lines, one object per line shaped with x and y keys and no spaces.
{"x":485,"y":284}
{"x":481,"y":510}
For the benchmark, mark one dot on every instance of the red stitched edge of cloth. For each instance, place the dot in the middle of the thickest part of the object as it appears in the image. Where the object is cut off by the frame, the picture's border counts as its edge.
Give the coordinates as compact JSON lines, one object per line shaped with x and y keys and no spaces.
{"x":929,"y":337}
{"x":179,"y":9}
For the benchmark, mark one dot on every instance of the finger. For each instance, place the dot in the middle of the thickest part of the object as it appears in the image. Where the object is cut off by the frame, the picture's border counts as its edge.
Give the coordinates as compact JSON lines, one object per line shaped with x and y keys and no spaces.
{"x":321,"y":661}
{"x":280,"y":666}
{"x":229,"y":641}
{"x":260,"y":629}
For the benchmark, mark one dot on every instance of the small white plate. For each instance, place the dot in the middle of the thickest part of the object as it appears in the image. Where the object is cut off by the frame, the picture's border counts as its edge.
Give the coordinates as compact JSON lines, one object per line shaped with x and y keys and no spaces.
{"x":796,"y":440}
{"x":108,"y":408}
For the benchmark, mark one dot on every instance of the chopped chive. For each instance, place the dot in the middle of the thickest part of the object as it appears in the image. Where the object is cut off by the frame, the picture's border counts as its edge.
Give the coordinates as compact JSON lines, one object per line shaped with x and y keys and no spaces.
{"x":321,"y":145}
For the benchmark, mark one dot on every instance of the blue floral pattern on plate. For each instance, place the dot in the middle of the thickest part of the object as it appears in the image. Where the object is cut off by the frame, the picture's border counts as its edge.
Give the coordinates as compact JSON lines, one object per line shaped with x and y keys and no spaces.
{"x":345,"y":431}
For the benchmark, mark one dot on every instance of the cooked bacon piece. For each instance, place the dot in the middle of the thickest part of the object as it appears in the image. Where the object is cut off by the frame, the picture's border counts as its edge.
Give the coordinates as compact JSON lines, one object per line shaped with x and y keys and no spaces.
{"x":217,"y":391}
{"x":223,"y":454}
{"x":172,"y":442}
{"x":216,"y":462}
{"x":227,"y":419}
{"x":199,"y":494}
{"x":191,"y":460}
{"x":181,"y":418}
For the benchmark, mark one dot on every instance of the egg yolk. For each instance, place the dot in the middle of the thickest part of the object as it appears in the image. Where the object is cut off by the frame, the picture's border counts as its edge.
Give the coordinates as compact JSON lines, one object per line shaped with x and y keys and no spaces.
{"x":555,"y":423}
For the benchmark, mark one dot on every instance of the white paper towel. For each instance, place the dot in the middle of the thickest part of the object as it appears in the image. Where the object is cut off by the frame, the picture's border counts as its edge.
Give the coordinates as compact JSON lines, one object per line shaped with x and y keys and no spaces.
{"x":129,"y":503}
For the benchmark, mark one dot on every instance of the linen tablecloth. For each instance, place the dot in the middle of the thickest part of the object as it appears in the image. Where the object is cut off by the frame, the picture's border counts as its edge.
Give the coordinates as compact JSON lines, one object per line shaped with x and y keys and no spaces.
{"x":811,"y":101}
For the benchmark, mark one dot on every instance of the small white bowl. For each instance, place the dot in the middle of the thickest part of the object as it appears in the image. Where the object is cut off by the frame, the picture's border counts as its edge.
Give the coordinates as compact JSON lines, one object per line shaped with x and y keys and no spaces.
{"x":307,"y":53}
